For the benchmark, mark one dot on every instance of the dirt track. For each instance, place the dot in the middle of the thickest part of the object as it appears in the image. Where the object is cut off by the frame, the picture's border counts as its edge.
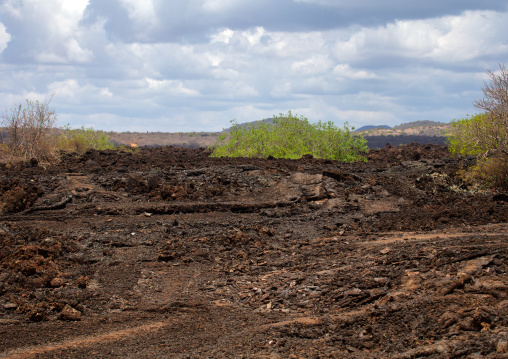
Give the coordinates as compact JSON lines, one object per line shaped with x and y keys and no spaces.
{"x":169,"y":253}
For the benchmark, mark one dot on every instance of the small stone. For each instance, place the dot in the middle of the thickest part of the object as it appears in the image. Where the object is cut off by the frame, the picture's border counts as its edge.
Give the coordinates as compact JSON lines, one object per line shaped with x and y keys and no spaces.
{"x":69,"y":313}
{"x":57,"y":282}
{"x":148,"y":214}
{"x":385,"y":251}
{"x":353,"y":292}
{"x":502,"y":346}
{"x":382,"y":280}
{"x":10,"y":306}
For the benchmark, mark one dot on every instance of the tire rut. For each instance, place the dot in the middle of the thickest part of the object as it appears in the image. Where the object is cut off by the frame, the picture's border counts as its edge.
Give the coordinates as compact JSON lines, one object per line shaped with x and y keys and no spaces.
{"x":80,"y":342}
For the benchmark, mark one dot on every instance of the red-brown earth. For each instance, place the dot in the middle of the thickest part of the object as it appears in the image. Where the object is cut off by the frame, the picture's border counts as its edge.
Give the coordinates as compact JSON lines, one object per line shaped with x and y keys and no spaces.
{"x":167,"y":253}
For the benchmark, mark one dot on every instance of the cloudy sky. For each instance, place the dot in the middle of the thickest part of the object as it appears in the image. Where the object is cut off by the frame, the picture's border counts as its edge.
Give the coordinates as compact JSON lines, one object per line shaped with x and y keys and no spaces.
{"x":194,"y":65}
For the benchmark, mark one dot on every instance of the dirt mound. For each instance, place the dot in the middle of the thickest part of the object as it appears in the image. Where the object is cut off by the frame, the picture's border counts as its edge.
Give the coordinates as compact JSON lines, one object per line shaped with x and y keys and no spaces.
{"x":16,"y":196}
{"x":166,"y":252}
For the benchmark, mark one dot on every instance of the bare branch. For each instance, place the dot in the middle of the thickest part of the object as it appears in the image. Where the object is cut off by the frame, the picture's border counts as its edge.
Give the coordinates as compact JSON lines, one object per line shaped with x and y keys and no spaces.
{"x":29,"y":130}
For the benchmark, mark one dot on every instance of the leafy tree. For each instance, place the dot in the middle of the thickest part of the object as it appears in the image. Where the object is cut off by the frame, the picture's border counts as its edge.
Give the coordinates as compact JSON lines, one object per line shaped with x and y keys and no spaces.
{"x":495,"y":104}
{"x":291,"y":137}
{"x":486,"y":134}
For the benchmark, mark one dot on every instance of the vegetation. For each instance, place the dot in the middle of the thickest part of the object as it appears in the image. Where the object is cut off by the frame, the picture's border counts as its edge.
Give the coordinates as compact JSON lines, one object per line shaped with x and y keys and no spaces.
{"x":468,"y":135}
{"x":81,"y":139}
{"x":29,"y":129}
{"x":31,"y":134}
{"x":489,"y":171}
{"x":291,"y":137}
{"x":486,"y":134}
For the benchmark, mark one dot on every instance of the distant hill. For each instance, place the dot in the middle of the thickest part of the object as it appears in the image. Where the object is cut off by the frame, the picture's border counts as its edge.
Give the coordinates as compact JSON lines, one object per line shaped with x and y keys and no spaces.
{"x":416,"y":128}
{"x":424,"y":123}
{"x":372,"y":127}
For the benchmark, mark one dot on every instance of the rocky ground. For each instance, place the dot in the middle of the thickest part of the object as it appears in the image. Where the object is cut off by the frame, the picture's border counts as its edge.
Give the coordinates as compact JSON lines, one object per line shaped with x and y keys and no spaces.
{"x":168,"y":253}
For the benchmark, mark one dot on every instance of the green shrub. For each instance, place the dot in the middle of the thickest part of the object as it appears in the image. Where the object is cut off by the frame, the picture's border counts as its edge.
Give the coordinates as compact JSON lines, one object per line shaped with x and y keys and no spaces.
{"x":82,"y":139}
{"x":479,"y":135}
{"x":486,"y":135}
{"x":471,"y":135}
{"x":291,"y":137}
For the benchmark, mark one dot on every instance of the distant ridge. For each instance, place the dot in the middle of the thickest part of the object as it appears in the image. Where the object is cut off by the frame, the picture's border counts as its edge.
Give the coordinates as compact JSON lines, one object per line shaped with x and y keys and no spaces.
{"x":371,"y":127}
{"x":405,"y":126}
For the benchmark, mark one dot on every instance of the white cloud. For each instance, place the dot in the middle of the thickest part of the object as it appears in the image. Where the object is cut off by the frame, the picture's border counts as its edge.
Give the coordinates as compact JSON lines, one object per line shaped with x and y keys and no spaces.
{"x":231,"y":65}
{"x":72,"y":52}
{"x":215,"y":59}
{"x":54,"y":32}
{"x":60,"y":15}
{"x":345,"y":71}
{"x":142,"y":13}
{"x":140,"y":9}
{"x":76,"y":53}
{"x":473,"y":35}
{"x":70,"y":92}
{"x":318,"y":109}
{"x":446,"y":39}
{"x":222,"y":5}
{"x":5,"y":37}
{"x":365,"y":117}
{"x":106,"y":92}
{"x":66,"y":14}
{"x":172,"y":87}
{"x":223,"y":36}
{"x":370,"y":11}
{"x":254,"y":36}
{"x":312,"y":66}
{"x":357,"y":4}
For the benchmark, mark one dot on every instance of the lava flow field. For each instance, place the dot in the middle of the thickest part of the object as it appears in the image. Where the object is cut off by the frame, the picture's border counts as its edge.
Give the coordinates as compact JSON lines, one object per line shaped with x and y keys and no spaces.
{"x":167,"y":253}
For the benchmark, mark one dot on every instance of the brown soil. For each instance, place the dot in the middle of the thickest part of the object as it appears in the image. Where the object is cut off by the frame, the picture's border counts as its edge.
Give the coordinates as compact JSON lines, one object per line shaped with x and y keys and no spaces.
{"x":166,"y":253}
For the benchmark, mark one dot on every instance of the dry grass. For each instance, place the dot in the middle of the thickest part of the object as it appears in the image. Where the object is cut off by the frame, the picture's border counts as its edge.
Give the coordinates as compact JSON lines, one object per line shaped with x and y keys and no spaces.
{"x":491,"y":172}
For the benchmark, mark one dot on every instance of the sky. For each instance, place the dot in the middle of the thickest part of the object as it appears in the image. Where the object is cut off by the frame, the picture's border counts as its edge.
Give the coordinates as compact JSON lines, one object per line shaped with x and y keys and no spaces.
{"x":195,"y":65}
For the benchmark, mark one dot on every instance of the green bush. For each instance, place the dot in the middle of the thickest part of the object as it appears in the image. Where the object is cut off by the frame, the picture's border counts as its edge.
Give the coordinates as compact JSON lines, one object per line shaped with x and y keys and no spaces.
{"x":486,"y":135}
{"x":471,"y":135}
{"x":291,"y":137}
{"x":480,"y":135}
{"x":81,"y":139}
